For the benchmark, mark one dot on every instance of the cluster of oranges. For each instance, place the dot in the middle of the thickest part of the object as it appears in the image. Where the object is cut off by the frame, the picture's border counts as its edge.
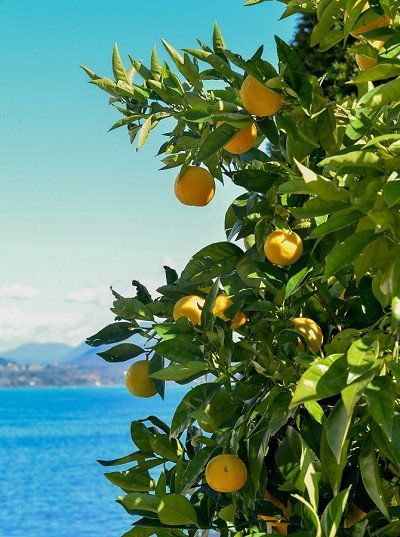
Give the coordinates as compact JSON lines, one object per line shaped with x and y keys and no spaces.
{"x":196,"y":186}
{"x":227,"y":473}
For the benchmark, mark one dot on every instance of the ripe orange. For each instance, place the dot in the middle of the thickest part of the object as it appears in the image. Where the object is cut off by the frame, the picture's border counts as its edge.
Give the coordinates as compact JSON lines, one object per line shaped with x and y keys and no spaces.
{"x":226,"y":473}
{"x":189,"y":306}
{"x":242,"y":141}
{"x":369,"y":20}
{"x":222,"y":303}
{"x":311,"y":330}
{"x":283,"y":247}
{"x":137,"y":380}
{"x":366,"y":62}
{"x":195,"y":187}
{"x":258,"y":99}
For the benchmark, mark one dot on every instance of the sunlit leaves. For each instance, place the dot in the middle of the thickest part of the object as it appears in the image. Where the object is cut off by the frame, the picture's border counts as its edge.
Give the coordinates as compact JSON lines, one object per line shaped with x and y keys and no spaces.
{"x":370,"y":475}
{"x":324,"y":378}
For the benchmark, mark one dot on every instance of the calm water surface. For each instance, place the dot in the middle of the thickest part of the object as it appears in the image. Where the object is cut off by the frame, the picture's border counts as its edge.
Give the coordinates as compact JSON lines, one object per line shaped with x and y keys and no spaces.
{"x":50,"y":439}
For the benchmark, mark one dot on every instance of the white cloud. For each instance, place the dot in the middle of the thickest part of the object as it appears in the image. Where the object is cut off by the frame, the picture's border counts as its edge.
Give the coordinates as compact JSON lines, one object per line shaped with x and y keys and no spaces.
{"x":18,"y":326}
{"x":18,"y":290}
{"x":94,"y":295}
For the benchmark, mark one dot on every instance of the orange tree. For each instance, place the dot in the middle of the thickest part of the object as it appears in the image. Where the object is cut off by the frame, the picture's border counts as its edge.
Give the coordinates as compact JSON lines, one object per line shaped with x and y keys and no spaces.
{"x":293,"y":424}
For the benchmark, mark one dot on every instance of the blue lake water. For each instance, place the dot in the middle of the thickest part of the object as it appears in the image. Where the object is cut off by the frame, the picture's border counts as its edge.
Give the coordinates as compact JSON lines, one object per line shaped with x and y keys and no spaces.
{"x":50,"y":439}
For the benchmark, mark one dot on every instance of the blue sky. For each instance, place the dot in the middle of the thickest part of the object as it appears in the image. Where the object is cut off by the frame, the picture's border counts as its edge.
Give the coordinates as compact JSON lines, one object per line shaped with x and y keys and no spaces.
{"x":80,"y":210}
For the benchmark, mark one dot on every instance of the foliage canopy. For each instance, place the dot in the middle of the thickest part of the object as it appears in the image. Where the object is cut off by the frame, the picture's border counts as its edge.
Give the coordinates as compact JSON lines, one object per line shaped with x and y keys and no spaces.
{"x":317,"y":428}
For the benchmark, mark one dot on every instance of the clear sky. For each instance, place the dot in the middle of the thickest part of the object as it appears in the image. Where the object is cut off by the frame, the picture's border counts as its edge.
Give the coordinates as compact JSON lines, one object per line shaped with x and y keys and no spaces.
{"x":80,"y":210}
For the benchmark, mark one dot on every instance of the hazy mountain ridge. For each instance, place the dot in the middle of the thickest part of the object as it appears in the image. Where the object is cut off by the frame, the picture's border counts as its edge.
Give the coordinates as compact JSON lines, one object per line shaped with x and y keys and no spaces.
{"x":73,"y":366}
{"x":38,"y":353}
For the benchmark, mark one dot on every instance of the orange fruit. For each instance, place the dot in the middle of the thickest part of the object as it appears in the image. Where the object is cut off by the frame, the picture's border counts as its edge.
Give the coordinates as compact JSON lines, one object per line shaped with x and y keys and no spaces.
{"x":366,"y":62}
{"x":283,"y":247}
{"x":189,"y":306}
{"x":195,"y":187}
{"x":258,"y":99}
{"x":222,"y":303}
{"x":369,"y":20}
{"x":311,"y":330}
{"x":239,"y":320}
{"x":137,"y":380}
{"x":226,"y":473}
{"x":242,"y":141}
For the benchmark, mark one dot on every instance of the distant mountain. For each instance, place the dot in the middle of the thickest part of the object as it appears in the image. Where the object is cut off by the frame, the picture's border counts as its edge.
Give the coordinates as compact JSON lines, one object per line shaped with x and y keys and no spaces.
{"x":38,"y":353}
{"x":56,"y":364}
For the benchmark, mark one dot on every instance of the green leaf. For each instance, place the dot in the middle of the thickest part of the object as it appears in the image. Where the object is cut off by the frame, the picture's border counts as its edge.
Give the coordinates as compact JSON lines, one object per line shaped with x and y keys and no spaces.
{"x":317,"y":207}
{"x":169,"y":449}
{"x":370,"y":475}
{"x":324,"y":378}
{"x":178,"y":372}
{"x":118,"y":66}
{"x":156,"y":363}
{"x":330,"y":520}
{"x":214,"y":60}
{"x":299,"y":465}
{"x":215,"y":141}
{"x":132,"y":457}
{"x":382,"y":95}
{"x":391,"y":193}
{"x":346,"y":252}
{"x":258,"y":180}
{"x":313,"y":515}
{"x":141,"y":435}
{"x":297,"y":274}
{"x":361,"y":358}
{"x":133,"y":480}
{"x":178,"y":350}
{"x":145,"y":130}
{"x":113,"y":333}
{"x":121,"y":353}
{"x":139,"y":532}
{"x":351,"y":159}
{"x":377,"y":72}
{"x":337,"y":426}
{"x":131,"y":309}
{"x":210,"y":262}
{"x":138,"y":500}
{"x":175,"y":510}
{"x":196,"y":399}
{"x":380,"y":399}
{"x":219,"y":44}
{"x":196,"y":466}
{"x":142,"y":293}
{"x":335,"y":222}
{"x":332,"y":469}
{"x":294,"y":72}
